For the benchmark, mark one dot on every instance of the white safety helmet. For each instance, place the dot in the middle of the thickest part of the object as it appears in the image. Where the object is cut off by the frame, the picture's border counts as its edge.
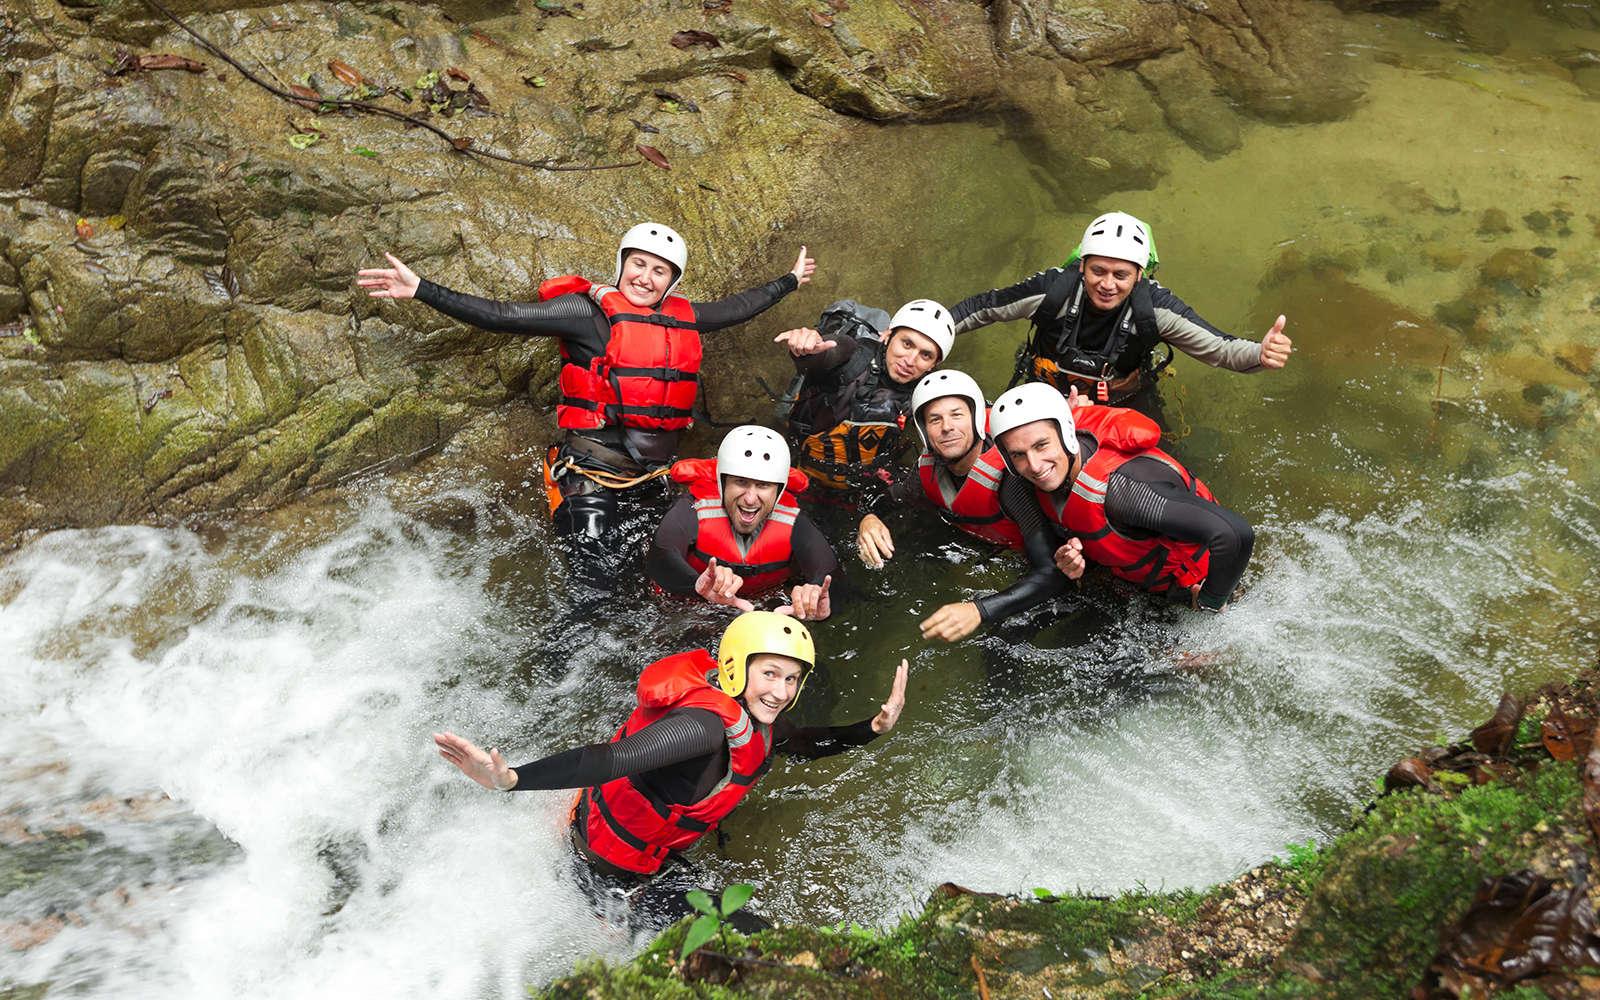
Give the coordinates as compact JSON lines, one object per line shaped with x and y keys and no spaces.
{"x":937,"y":385}
{"x":663,"y":241}
{"x":930,"y":319}
{"x":752,"y":452}
{"x":1119,"y":235}
{"x":1027,"y":403}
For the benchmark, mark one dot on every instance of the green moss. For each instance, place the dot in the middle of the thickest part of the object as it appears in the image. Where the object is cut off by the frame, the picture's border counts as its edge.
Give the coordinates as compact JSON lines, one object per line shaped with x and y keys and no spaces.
{"x":1411,"y":866}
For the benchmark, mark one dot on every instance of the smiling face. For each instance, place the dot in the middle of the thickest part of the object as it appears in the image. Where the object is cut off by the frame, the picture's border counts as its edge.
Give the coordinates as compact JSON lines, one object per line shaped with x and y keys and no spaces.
{"x":645,"y":278}
{"x":1036,"y":454}
{"x":947,"y":421}
{"x":910,"y":355}
{"x":748,"y":502}
{"x":1108,"y":280}
{"x":771,"y":682}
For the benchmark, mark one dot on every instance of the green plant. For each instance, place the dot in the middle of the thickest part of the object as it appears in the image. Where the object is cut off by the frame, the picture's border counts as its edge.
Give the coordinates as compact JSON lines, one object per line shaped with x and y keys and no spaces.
{"x":709,"y":923}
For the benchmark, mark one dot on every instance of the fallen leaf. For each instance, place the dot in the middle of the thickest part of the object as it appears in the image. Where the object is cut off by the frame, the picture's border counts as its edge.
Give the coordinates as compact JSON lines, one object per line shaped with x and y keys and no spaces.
{"x":230,"y":284}
{"x":1591,"y":790}
{"x":346,"y":74}
{"x":156,"y":397}
{"x":1409,"y":773}
{"x":485,"y":39}
{"x":171,"y":62}
{"x":456,"y":74}
{"x":653,"y":155}
{"x":641,"y":126}
{"x":304,"y":140}
{"x":309,"y":99}
{"x":1495,"y":736}
{"x":363,"y":151}
{"x":707,"y":186}
{"x":550,"y":6}
{"x":1557,"y":932}
{"x":85,"y":230}
{"x":461,"y":141}
{"x":820,"y":19}
{"x":735,"y":74}
{"x":1567,"y":737}
{"x":685,"y":39}
{"x":839,"y":5}
{"x":534,"y":81}
{"x":116,"y":222}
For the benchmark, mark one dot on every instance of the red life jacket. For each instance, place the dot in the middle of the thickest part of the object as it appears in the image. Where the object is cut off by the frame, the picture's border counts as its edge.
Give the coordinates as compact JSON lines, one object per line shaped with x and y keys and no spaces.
{"x":1154,"y":563}
{"x":650,"y":373}
{"x":766,"y":564}
{"x":975,"y":507}
{"x":629,"y":828}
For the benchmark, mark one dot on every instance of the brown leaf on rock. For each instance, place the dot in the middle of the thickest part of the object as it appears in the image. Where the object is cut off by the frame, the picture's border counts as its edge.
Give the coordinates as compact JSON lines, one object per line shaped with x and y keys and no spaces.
{"x":486,"y":39}
{"x":1567,"y":737}
{"x":839,"y":5}
{"x":171,"y":62}
{"x":1591,"y":791}
{"x":461,"y":141}
{"x":641,"y":126}
{"x":1409,"y":773}
{"x":653,"y":155}
{"x":1495,"y":736}
{"x":346,"y":74}
{"x":735,"y":75}
{"x":85,"y":230}
{"x":685,"y":39}
{"x":309,"y":99}
{"x":456,"y":74}
{"x":820,"y":19}
{"x":156,"y":397}
{"x":1556,"y":933}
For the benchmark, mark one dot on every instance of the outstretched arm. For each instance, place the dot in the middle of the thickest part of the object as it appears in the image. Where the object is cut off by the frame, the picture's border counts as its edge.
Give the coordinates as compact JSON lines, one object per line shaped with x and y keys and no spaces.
{"x":398,"y":282}
{"x":753,"y":302}
{"x":812,"y":742}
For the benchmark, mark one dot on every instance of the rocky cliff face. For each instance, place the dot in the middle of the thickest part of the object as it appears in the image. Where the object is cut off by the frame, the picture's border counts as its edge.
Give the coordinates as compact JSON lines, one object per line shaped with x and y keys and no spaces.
{"x":179,"y":328}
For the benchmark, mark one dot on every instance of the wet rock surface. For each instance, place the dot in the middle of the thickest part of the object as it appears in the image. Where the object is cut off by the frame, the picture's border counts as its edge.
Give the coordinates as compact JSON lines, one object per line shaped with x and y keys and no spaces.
{"x":179,"y":331}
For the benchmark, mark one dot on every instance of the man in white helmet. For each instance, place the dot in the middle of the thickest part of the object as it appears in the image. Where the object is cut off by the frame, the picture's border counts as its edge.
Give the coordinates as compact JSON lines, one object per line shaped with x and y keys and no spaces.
{"x":630,"y":373}
{"x":858,"y":373}
{"x":739,"y":530}
{"x":1097,"y":325}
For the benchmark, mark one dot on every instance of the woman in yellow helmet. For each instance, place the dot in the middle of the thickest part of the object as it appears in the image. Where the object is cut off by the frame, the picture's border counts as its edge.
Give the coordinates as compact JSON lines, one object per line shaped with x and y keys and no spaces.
{"x":701,"y":737}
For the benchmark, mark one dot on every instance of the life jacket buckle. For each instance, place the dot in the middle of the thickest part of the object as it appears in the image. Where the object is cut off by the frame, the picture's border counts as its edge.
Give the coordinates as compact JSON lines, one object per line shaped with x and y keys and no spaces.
{"x":1102,"y":391}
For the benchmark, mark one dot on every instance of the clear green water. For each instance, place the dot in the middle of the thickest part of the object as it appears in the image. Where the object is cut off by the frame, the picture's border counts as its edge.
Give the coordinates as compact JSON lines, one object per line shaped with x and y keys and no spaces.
{"x":1421,"y":477}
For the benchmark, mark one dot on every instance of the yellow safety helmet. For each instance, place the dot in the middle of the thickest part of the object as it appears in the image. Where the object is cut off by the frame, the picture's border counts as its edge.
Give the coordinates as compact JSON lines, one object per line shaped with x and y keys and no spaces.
{"x":763,"y":632}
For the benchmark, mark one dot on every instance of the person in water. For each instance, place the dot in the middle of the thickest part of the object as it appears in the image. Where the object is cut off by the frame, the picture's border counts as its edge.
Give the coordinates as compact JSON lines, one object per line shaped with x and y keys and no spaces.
{"x":1097,"y":474}
{"x":703,"y":734}
{"x":961,"y":474}
{"x":847,"y":421}
{"x":1096,"y":326}
{"x":631,"y":358}
{"x":738,"y":530}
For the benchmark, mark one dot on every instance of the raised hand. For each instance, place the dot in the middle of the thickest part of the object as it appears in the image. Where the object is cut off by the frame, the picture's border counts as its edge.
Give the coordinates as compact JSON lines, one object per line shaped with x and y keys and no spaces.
{"x":804,"y":341}
{"x":398,"y":282}
{"x":720,"y":585}
{"x":1275,"y":346}
{"x":890,"y":713}
{"x":487,"y":769}
{"x":803,"y":266}
{"x":809,"y":602}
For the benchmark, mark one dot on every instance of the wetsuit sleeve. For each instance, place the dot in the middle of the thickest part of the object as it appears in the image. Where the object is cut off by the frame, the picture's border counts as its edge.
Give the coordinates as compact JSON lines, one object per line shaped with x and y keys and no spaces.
{"x":1183,"y":328}
{"x":747,"y":304}
{"x":666,"y":562}
{"x":813,"y":742}
{"x":1147,"y":493}
{"x":565,"y":316}
{"x":816,"y":559}
{"x":903,"y":492}
{"x":1019,"y":502}
{"x":1001,"y":305}
{"x":682,"y":734}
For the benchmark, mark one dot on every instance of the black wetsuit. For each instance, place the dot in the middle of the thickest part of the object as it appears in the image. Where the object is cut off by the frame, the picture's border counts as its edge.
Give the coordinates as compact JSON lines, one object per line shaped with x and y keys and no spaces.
{"x":669,"y":568}
{"x":678,"y":759}
{"x":588,"y":513}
